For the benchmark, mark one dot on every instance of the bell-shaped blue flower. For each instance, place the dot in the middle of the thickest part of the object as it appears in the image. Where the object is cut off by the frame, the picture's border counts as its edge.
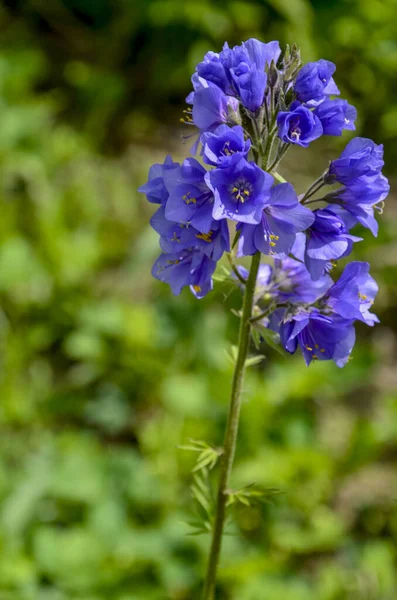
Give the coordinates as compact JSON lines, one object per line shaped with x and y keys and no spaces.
{"x":353,"y":294}
{"x":189,"y":267}
{"x":155,"y":189}
{"x":299,"y":125}
{"x":175,"y":237}
{"x":241,"y":191}
{"x":211,"y":107}
{"x":225,"y":145}
{"x":327,"y":239}
{"x":361,"y":158}
{"x":281,"y":219}
{"x":213,"y":70}
{"x":335,"y":116}
{"x":314,"y":81}
{"x":190,"y":200}
{"x":319,"y":336}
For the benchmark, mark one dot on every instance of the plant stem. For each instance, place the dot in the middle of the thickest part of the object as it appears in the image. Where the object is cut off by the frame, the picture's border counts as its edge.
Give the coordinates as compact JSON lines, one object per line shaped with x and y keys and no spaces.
{"x":231,"y":430}
{"x":315,"y":187}
{"x":235,"y":269}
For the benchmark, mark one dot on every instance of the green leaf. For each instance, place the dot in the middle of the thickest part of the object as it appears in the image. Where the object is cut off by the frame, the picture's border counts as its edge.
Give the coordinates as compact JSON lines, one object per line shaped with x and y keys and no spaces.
{"x":272,"y":339}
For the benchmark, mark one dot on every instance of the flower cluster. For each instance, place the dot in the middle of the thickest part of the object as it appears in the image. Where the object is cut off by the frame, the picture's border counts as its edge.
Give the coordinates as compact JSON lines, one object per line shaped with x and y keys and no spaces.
{"x":250,"y":104}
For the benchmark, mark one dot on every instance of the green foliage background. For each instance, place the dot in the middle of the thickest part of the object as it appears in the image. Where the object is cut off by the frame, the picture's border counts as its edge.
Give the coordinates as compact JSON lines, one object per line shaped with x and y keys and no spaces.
{"x":103,"y":373}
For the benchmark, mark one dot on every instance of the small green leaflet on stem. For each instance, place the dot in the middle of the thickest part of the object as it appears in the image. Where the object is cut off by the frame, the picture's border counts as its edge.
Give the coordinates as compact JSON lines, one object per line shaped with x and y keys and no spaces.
{"x":251,"y":494}
{"x":254,"y":360}
{"x":207,"y":455}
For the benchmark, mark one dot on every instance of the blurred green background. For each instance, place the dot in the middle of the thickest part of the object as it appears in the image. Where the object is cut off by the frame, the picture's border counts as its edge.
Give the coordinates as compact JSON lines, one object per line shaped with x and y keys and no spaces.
{"x":103,"y":373}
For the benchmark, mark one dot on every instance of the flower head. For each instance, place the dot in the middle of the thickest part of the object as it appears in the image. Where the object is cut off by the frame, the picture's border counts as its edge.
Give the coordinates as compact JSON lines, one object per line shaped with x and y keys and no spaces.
{"x":299,"y":125}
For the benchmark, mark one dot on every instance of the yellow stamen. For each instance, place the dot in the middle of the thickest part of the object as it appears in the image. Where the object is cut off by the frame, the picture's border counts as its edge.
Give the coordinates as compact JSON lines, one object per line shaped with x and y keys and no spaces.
{"x":196,"y":288}
{"x":207,"y":237}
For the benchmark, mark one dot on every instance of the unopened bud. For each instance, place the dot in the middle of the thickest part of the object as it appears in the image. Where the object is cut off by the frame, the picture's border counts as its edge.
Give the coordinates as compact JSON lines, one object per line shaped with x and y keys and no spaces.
{"x":272,"y":75}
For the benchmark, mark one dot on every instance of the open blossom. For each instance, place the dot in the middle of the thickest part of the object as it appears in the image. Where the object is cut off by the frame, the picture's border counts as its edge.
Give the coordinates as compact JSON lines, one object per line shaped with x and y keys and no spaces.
{"x":175,"y":237}
{"x":211,"y":108}
{"x":335,"y":116}
{"x":224,"y":145}
{"x":364,"y":187}
{"x":190,"y":200}
{"x":299,"y":125}
{"x":326,"y":240}
{"x":352,"y":296}
{"x":282,"y":217}
{"x":358,"y":202}
{"x":241,"y":191}
{"x":314,"y":81}
{"x":319,"y":336}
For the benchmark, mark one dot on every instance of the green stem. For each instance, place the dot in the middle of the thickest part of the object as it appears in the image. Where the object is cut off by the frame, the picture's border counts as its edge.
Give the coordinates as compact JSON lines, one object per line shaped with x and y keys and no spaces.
{"x":315,"y":187}
{"x":231,"y":430}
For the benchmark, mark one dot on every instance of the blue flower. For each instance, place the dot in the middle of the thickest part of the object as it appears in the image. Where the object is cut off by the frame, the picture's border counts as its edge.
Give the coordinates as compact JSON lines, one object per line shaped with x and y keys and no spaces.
{"x":155,"y":189}
{"x":282,"y":217}
{"x":299,"y":125}
{"x":240,"y":71}
{"x":336,"y":115}
{"x":241,"y":191}
{"x":190,"y":200}
{"x":225,"y":145}
{"x":319,"y":336}
{"x":358,"y":202}
{"x":175,"y":237}
{"x":353,"y":294}
{"x":187,"y":267}
{"x":314,"y":81}
{"x":212,"y":69}
{"x":361,"y":158}
{"x":211,"y":108}
{"x":248,"y":81}
{"x":327,"y":239}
